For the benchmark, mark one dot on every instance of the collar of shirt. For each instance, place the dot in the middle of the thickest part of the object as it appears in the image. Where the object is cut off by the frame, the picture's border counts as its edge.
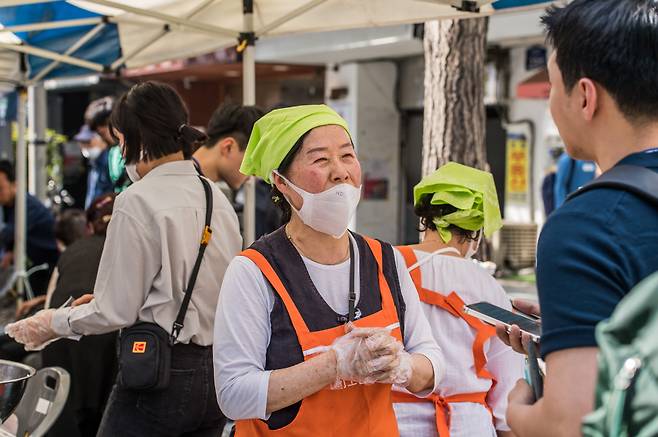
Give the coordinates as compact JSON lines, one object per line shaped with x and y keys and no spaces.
{"x":646,"y":158}
{"x":185,"y":167}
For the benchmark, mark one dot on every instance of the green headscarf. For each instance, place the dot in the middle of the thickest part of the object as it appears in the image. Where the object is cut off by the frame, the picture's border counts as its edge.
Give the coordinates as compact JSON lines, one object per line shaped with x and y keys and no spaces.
{"x":275,"y":134}
{"x":471,"y":191}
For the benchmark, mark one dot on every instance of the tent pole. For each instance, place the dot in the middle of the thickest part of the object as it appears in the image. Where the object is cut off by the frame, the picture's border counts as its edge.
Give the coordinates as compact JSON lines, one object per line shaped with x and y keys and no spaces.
{"x":249,"y":98}
{"x":74,"y":47}
{"x":36,"y":121}
{"x":290,"y":16}
{"x":128,"y":56}
{"x":36,"y":51}
{"x":166,"y":18}
{"x":20,"y":202}
{"x":35,"y":27}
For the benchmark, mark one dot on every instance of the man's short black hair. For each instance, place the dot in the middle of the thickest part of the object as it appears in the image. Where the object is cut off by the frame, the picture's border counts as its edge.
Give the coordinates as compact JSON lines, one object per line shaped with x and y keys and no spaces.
{"x":7,"y":167}
{"x":612,"y":42}
{"x":232,"y":120}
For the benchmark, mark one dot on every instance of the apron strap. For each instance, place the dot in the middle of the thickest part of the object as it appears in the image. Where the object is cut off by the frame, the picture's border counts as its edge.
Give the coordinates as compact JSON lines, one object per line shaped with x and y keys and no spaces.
{"x":410,"y":259}
{"x":483,"y":332}
{"x":442,"y":407}
{"x":388,"y":306}
{"x":269,"y":273}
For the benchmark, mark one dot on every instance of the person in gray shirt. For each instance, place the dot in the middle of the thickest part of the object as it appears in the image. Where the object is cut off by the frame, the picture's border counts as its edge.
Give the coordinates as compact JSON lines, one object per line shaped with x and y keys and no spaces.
{"x":151,"y":247}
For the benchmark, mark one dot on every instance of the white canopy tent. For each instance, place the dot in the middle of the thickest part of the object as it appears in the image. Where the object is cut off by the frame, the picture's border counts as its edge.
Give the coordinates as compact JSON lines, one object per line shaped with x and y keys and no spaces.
{"x":152,"y":31}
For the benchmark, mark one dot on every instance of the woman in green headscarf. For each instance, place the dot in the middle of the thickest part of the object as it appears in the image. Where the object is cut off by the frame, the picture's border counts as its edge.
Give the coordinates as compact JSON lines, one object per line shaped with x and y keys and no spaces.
{"x":456,"y":205}
{"x":314,"y":322}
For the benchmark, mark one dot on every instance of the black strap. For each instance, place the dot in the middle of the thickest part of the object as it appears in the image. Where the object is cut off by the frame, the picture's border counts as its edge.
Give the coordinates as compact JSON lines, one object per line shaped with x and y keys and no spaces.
{"x":353,"y":312}
{"x":631,"y":178}
{"x":352,"y":296}
{"x":205,"y":239}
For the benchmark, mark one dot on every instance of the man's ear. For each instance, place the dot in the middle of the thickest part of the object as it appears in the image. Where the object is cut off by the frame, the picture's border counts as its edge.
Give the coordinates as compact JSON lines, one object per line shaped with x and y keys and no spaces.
{"x":589,"y":98}
{"x":226,"y":146}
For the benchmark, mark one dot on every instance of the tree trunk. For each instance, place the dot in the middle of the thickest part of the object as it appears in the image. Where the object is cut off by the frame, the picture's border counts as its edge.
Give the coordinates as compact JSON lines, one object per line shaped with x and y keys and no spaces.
{"x":454,"y":119}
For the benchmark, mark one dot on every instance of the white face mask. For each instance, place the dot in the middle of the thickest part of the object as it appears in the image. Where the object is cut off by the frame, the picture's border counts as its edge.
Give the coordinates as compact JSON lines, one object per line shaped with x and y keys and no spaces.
{"x":92,"y":153}
{"x":131,"y":169}
{"x":330,"y":211}
{"x":473,"y":246}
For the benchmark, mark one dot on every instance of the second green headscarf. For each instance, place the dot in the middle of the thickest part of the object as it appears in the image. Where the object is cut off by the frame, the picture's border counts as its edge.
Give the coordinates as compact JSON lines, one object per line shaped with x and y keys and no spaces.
{"x":471,"y":191}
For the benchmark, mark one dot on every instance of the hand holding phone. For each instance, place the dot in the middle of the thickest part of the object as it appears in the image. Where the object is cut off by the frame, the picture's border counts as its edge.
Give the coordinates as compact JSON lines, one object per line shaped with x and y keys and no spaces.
{"x":493,"y":315}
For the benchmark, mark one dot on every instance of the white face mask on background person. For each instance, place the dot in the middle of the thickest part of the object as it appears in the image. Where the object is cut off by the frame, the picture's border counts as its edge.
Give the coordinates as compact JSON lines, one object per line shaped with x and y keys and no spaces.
{"x":473,"y":246}
{"x":92,"y":153}
{"x":330,"y":211}
{"x":131,"y":169}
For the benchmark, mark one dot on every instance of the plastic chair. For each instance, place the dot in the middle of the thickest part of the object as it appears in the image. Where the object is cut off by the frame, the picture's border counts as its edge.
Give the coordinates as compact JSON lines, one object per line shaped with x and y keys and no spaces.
{"x":43,"y":401}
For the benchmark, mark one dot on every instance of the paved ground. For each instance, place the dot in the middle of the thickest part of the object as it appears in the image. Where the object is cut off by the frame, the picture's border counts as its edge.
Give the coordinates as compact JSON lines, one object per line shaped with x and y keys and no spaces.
{"x":515,"y":288}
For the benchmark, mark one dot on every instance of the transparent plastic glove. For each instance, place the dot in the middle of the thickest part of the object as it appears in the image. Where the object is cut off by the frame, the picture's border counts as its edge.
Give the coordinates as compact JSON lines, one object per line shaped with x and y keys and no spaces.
{"x":361,"y":353}
{"x":34,"y":332}
{"x":381,"y":351}
{"x":398,"y":372}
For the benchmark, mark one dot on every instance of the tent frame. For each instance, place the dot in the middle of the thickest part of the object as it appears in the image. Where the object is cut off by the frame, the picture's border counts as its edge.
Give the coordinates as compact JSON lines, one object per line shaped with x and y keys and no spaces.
{"x":246,"y":38}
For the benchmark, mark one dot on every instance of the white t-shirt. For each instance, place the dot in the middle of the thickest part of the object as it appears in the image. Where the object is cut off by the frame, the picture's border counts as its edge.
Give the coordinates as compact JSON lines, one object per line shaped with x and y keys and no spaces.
{"x":243,"y":330}
{"x":472,"y":283}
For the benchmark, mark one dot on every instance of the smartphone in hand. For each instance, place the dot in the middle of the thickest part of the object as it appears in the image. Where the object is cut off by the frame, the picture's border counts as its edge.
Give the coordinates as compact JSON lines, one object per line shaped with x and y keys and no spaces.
{"x":492,"y":315}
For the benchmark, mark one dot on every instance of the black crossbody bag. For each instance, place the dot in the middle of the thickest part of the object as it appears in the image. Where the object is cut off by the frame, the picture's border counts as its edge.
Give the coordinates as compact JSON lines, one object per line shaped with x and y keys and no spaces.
{"x":145,"y":348}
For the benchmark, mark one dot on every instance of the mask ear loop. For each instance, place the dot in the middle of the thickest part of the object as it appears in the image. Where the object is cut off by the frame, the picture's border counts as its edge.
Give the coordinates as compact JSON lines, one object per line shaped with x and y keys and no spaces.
{"x":472,"y":251}
{"x":431,"y":255}
{"x":294,"y":188}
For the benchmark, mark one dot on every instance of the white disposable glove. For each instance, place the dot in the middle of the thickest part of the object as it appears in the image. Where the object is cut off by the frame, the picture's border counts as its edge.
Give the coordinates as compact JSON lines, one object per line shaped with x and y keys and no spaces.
{"x":34,"y":332}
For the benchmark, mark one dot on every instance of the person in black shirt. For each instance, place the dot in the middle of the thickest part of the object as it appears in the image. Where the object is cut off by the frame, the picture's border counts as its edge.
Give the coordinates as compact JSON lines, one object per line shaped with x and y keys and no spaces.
{"x":92,"y":361}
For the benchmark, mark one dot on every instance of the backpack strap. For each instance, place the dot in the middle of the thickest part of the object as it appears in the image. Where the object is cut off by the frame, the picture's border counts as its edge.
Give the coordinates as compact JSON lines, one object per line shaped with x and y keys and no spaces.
{"x":630,"y":178}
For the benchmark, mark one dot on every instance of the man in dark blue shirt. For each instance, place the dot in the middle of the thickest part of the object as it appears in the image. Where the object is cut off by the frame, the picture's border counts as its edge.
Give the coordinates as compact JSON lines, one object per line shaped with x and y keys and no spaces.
{"x":40,"y":245}
{"x":599,"y":245}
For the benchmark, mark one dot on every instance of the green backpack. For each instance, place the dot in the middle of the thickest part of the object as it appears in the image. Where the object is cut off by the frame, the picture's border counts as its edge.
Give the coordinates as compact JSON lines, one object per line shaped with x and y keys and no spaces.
{"x":627,"y":388}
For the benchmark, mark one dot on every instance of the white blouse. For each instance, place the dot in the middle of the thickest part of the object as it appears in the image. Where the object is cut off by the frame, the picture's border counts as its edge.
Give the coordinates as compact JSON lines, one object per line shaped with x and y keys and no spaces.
{"x":151,"y":246}
{"x":472,"y":283}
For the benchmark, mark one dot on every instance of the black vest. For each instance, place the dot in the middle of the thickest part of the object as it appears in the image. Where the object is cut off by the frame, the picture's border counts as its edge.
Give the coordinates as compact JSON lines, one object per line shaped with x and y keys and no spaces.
{"x":284,"y":349}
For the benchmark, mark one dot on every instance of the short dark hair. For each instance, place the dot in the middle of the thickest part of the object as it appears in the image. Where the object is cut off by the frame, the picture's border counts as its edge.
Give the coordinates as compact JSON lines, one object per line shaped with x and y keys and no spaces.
{"x":153,"y":120}
{"x":7,"y":167}
{"x":232,"y":120}
{"x":612,"y":42}
{"x":428,"y":212}
{"x":70,"y":226}
{"x":99,"y":212}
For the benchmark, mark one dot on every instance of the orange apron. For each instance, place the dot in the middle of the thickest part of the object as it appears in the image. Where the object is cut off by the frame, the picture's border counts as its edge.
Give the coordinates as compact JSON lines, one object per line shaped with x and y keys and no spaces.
{"x":358,"y":410}
{"x":483,"y":332}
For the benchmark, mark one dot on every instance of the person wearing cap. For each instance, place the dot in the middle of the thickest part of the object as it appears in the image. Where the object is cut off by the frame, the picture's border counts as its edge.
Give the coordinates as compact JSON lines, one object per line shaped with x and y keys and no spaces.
{"x":95,"y":150}
{"x":97,"y":116}
{"x":456,"y":206}
{"x":314,"y":322}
